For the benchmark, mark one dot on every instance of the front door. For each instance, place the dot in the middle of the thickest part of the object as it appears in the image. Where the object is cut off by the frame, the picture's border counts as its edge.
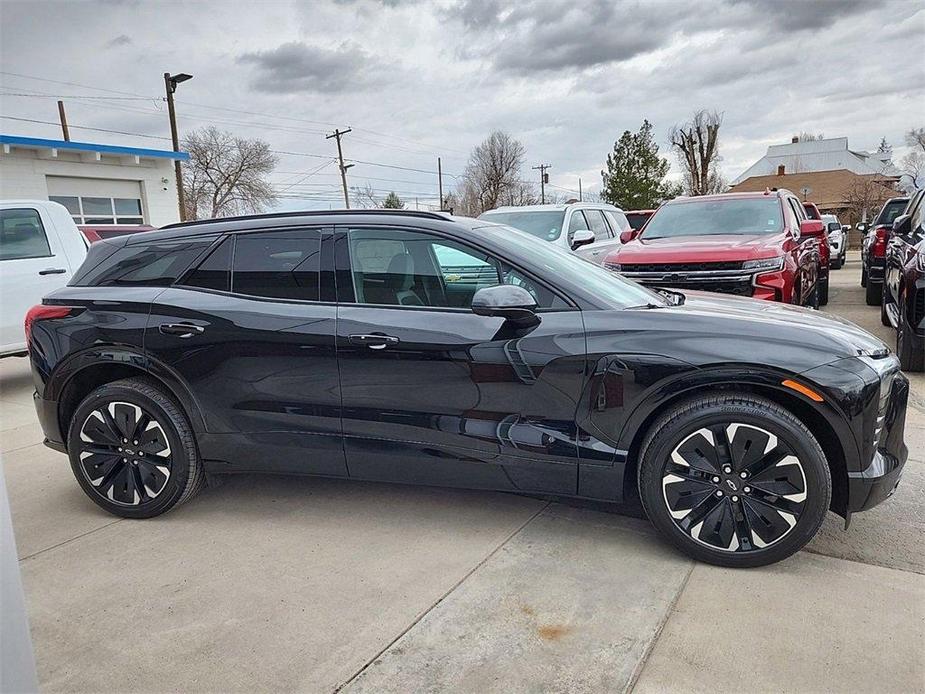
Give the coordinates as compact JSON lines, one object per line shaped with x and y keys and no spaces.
{"x":248,"y":332}
{"x":433,"y":393}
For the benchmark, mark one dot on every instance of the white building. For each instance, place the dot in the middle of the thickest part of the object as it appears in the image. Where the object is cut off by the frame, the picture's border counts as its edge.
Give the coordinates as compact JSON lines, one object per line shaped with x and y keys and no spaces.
{"x":819,"y":155}
{"x":98,"y":184}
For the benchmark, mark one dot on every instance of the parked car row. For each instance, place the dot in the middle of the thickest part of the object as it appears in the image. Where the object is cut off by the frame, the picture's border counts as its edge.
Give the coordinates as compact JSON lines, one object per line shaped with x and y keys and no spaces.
{"x":873,"y":248}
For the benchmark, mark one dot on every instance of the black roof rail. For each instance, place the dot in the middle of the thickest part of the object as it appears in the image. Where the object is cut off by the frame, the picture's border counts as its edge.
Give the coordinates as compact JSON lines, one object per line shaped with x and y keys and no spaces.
{"x":311,"y":213}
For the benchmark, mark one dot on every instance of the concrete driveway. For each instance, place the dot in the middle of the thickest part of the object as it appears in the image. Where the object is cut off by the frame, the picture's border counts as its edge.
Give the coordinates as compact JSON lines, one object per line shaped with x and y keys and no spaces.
{"x":270,"y":583}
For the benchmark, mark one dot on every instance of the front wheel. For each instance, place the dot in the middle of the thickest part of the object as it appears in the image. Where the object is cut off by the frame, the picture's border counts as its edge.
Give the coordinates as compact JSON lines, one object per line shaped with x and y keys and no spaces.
{"x":734,"y":480}
{"x":909,"y":347}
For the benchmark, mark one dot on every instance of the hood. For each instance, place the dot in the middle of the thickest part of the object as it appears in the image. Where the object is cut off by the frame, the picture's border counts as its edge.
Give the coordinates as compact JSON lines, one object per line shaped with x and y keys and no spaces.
{"x":782,"y":323}
{"x":699,"y":249}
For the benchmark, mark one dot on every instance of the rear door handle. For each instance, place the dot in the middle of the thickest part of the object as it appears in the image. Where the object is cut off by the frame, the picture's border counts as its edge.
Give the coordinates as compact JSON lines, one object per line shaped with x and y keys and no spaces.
{"x":374,"y":341}
{"x":181,"y":329}
{"x":53,"y":271}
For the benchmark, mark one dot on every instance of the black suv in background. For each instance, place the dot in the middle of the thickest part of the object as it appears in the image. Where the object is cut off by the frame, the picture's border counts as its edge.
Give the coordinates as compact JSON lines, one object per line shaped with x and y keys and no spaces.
{"x":421,"y":348}
{"x":873,"y":248}
{"x":903,"y":304}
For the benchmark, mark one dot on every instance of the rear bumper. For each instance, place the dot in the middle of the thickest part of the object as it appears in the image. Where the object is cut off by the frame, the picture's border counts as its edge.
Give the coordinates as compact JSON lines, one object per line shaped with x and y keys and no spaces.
{"x":879,"y":480}
{"x":875,"y":270}
{"x":47,"y":412}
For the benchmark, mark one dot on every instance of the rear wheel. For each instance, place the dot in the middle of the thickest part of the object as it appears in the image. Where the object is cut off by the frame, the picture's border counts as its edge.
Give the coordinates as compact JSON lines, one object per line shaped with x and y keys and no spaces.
{"x":734,"y":480}
{"x":863,"y":276}
{"x":132,"y":450}
{"x":823,"y":291}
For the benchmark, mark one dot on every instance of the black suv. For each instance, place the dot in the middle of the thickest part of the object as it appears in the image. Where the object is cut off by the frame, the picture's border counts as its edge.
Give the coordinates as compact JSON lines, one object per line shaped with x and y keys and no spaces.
{"x":427,"y":349}
{"x":903,"y":304}
{"x":873,"y":248}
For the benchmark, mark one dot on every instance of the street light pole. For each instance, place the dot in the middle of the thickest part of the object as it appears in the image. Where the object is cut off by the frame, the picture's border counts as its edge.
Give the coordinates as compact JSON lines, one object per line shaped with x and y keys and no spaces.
{"x":170,"y":84}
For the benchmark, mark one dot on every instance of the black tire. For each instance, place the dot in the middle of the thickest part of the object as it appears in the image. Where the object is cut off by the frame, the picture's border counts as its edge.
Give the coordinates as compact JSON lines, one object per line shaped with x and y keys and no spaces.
{"x":812,"y":301}
{"x":874,"y":294}
{"x":755,"y":519}
{"x":822,"y":290}
{"x":909,"y":347}
{"x":884,"y":316}
{"x":863,"y":276}
{"x":837,"y":263}
{"x":155,"y":464}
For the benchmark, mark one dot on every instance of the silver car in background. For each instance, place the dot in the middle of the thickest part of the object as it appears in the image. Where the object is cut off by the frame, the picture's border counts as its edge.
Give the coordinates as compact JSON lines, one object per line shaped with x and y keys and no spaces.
{"x":838,"y":239}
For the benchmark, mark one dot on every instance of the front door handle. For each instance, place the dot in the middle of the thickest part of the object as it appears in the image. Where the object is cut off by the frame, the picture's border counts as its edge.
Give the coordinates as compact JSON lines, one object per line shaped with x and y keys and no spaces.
{"x":53,"y":271}
{"x":374,"y":341}
{"x":181,"y":329}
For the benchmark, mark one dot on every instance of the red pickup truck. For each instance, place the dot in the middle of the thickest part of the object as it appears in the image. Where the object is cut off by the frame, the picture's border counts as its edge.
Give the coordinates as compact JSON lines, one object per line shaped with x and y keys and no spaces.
{"x":751,"y":244}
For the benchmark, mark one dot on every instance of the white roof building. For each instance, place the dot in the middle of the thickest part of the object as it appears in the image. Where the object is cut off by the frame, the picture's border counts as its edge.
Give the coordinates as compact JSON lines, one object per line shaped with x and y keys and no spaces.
{"x":819,"y":155}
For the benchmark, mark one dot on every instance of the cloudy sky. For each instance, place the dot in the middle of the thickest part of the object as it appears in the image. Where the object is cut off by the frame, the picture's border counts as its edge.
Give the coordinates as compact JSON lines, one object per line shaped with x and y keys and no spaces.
{"x":418,"y":80}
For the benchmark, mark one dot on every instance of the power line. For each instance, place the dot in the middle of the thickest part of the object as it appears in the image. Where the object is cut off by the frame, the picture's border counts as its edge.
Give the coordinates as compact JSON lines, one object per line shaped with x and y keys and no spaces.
{"x":84,"y":127}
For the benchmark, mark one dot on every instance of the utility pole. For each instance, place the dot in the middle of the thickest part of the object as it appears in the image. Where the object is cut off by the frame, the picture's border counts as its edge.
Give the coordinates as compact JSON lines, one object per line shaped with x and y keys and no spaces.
{"x":170,"y":84}
{"x":580,"y":196}
{"x":63,"y":116}
{"x":544,"y":179}
{"x":343,"y":169}
{"x":440,"y":182}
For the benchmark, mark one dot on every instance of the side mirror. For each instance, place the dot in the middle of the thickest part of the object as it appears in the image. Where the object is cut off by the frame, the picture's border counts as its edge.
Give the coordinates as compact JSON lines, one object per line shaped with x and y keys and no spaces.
{"x":862,"y":227}
{"x":628,"y":235}
{"x":902,"y":225}
{"x":812,"y":227}
{"x":514,"y":304}
{"x":846,"y":228}
{"x":582,"y":237}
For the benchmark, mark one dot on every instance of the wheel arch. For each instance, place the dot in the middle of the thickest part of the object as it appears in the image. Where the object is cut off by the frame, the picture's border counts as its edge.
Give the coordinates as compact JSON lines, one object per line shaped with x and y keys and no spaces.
{"x":818,"y":423}
{"x":88,"y":370}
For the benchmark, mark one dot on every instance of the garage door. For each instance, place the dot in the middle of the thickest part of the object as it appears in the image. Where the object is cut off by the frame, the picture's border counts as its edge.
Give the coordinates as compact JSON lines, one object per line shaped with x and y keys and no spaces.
{"x":98,"y":200}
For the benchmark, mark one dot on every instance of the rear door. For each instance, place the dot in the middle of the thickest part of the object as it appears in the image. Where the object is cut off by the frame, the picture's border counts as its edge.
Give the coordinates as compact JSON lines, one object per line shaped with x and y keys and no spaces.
{"x":33,"y":263}
{"x":250,"y":330}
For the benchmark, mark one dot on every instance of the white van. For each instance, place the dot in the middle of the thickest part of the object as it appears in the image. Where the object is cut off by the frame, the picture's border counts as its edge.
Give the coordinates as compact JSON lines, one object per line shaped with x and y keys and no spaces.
{"x":40,"y":248}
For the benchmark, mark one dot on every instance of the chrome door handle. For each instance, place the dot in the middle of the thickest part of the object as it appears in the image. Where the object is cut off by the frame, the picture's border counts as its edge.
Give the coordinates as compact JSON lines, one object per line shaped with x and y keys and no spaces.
{"x":374,"y":341}
{"x":183,"y":330}
{"x":53,"y":271}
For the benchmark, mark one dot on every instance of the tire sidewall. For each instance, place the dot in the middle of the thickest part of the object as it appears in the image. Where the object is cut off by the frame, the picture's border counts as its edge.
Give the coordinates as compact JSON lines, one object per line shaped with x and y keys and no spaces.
{"x":180,"y":463}
{"x":656,"y":454}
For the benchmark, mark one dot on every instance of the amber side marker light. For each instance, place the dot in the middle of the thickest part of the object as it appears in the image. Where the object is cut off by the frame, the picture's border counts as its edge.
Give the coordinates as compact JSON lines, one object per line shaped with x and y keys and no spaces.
{"x":800,"y":388}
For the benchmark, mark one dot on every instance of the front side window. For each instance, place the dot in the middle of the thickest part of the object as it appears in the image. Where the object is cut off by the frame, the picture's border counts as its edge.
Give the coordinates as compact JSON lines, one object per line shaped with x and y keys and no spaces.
{"x":618,"y":221}
{"x":713,"y":217}
{"x":22,"y":235}
{"x":278,"y":264}
{"x":598,"y":225}
{"x":393,"y":267}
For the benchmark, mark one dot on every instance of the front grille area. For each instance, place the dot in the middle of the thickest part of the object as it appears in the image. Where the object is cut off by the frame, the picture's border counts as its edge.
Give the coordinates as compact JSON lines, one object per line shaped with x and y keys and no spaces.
{"x":681,"y":267}
{"x":918,"y":308}
{"x":741,"y":287}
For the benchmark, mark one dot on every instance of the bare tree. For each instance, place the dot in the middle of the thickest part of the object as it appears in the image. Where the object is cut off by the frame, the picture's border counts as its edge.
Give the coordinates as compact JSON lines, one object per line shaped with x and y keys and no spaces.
{"x":915,"y":138}
{"x":808,"y":137}
{"x":864,"y":197}
{"x":492,"y":175}
{"x":364,"y":197}
{"x":226,"y":175}
{"x":913,"y":168}
{"x":696,"y":144}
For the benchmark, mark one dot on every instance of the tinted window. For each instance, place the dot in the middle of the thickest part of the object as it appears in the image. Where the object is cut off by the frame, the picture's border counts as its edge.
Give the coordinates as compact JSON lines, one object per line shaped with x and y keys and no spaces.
{"x":405,"y":268}
{"x":215,"y":271}
{"x":278,"y":264}
{"x":150,"y":264}
{"x":22,"y":235}
{"x":811,"y":212}
{"x":598,"y":225}
{"x":546,"y":225}
{"x":716,"y":216}
{"x":637,"y":219}
{"x":891,"y":210}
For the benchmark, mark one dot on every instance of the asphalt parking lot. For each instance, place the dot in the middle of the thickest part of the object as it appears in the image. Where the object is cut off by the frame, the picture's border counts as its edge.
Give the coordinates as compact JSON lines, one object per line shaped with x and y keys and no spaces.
{"x":271,"y":584}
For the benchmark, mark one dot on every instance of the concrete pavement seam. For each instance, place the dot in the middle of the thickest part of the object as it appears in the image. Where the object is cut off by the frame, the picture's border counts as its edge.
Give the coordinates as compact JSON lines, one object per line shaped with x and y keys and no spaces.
{"x":69,"y":540}
{"x":439,"y":600}
{"x":862,"y":563}
{"x":641,"y":665}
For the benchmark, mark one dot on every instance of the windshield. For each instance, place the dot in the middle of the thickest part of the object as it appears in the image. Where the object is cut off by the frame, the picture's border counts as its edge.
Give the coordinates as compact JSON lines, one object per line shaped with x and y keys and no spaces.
{"x":714,"y":217}
{"x":891,"y":211}
{"x":543,"y":224}
{"x":612,"y":288}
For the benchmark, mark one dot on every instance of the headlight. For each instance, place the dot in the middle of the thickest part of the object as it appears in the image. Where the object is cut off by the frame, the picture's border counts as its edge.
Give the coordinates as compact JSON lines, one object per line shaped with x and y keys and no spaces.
{"x":764,"y":264}
{"x":614,"y":267}
{"x":886,"y":368}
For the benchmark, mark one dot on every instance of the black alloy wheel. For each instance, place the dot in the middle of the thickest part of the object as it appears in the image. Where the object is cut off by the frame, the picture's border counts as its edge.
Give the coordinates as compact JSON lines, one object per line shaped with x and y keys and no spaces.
{"x":132,"y":450}
{"x":734,"y":480}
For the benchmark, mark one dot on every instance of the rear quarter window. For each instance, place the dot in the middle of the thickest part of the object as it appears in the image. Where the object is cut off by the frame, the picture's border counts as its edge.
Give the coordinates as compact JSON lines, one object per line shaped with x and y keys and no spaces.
{"x":152,"y":264}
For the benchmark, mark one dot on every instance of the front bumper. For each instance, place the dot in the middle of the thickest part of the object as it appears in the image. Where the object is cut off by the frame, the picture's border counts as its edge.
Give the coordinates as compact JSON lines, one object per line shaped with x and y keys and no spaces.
{"x":879,"y":480}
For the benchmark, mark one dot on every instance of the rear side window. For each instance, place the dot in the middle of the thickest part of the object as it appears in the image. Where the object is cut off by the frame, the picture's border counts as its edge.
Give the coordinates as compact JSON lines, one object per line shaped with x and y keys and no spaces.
{"x":215,"y":271}
{"x":22,"y":235}
{"x":618,"y":221}
{"x":278,"y":264}
{"x":152,"y":264}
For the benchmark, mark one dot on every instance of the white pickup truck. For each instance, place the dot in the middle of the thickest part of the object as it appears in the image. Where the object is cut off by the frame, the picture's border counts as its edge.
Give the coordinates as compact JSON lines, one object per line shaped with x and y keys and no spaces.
{"x":40,"y":248}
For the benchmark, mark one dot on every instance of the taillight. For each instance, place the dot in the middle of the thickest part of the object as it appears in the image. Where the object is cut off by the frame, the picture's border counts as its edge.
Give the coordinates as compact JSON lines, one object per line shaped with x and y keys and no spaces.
{"x":881,"y":236}
{"x":43,"y":312}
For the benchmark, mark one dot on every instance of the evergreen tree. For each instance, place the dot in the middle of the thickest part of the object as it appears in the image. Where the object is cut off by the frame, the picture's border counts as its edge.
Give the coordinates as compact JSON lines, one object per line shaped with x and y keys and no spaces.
{"x":393,"y":202}
{"x":635,"y":175}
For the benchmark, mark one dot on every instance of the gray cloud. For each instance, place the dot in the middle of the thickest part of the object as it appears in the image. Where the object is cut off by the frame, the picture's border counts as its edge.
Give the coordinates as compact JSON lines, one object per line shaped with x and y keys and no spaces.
{"x":120,"y":40}
{"x":807,"y":15}
{"x":299,"y":67}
